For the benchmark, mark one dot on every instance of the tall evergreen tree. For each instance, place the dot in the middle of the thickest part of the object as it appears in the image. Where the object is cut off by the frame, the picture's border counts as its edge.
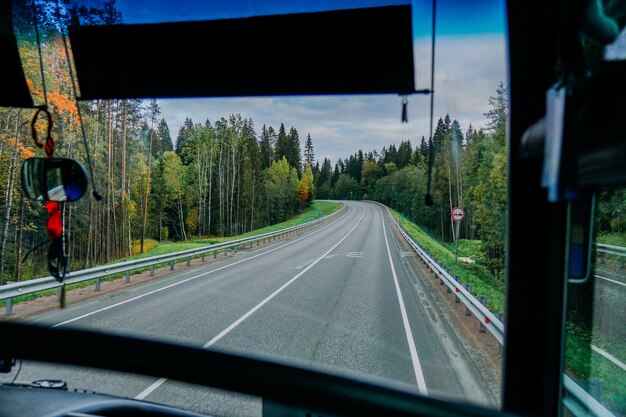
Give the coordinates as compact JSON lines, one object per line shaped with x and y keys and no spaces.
{"x":265,"y":145}
{"x":281,"y":148}
{"x":165,"y":139}
{"x":183,"y":134}
{"x":309,"y":156}
{"x":293,"y":150}
{"x":403,"y":155}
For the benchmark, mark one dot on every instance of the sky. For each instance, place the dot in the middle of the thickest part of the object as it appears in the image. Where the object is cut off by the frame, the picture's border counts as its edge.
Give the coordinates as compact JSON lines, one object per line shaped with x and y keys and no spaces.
{"x":470,"y":62}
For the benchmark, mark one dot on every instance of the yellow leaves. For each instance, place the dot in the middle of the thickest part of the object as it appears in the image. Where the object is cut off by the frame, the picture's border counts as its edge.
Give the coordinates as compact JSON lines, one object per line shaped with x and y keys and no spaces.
{"x":303,"y":189}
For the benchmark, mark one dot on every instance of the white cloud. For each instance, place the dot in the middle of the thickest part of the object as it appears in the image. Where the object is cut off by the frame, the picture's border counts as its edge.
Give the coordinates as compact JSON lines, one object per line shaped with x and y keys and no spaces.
{"x":467,"y":72}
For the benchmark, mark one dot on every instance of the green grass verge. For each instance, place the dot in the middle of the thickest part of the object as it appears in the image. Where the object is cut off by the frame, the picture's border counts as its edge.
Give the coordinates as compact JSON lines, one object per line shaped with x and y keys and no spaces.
{"x":617,"y":239}
{"x":471,"y":249}
{"x":316,"y":210}
{"x":483,"y":283}
{"x":583,"y":364}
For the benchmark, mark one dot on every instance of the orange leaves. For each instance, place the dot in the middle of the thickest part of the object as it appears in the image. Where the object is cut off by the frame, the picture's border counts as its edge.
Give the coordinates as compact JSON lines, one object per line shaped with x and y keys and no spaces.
{"x":57,"y":78}
{"x":36,"y":92}
{"x":62,"y":103}
{"x":25,"y":151}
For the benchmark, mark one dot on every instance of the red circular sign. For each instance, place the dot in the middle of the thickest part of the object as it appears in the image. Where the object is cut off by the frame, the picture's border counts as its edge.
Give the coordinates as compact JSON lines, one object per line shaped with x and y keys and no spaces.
{"x":457,"y":214}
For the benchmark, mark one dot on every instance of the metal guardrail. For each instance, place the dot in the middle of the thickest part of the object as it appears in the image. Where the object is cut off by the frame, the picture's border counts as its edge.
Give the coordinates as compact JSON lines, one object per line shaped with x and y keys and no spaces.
{"x":488,"y":319}
{"x":611,"y":249}
{"x":577,"y":400}
{"x":12,"y":290}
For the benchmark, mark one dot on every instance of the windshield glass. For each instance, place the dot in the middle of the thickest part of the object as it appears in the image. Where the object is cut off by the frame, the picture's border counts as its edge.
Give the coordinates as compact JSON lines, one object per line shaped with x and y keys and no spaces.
{"x":313,"y":242}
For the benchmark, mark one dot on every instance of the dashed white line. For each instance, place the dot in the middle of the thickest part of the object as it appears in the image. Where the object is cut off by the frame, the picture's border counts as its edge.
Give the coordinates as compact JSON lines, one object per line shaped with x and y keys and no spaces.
{"x":608,"y":356}
{"x":230,"y":328}
{"x":195,"y":276}
{"x":611,"y":280}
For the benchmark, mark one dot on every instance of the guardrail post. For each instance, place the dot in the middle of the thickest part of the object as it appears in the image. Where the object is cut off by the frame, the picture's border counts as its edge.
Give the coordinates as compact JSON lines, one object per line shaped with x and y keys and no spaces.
{"x":171,"y":265}
{"x":235,"y":250}
{"x":482,"y":300}
{"x":257,"y":243}
{"x":128,"y":277}
{"x":9,"y":304}
{"x":468,"y":287}
{"x":189,"y":261}
{"x":97,"y":288}
{"x":215,"y":254}
{"x":8,"y":307}
{"x":151,"y":270}
{"x":225,"y":251}
{"x":202,"y":257}
{"x":500,"y":317}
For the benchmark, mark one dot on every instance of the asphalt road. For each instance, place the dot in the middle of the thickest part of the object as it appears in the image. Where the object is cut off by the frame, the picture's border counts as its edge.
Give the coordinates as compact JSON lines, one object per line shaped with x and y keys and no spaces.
{"x":339,"y":297}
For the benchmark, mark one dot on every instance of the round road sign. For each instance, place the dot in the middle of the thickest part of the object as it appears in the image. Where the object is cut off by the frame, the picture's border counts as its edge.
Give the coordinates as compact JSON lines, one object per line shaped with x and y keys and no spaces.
{"x":457,"y":214}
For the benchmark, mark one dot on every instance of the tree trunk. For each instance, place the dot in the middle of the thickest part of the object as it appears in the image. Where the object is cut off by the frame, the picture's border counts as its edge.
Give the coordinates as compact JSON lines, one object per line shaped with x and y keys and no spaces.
{"x":210,"y":182}
{"x":9,"y":197}
{"x":107,"y":255}
{"x":145,"y":206}
{"x":20,"y":238}
{"x":123,"y":182}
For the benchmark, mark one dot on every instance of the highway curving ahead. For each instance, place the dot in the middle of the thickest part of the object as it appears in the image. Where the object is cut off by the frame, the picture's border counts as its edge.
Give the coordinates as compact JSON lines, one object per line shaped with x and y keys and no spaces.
{"x":340,"y":297}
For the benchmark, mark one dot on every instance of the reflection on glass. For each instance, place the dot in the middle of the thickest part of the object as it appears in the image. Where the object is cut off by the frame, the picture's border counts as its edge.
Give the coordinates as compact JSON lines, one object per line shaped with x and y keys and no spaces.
{"x":53,"y":179}
{"x":596,"y":328}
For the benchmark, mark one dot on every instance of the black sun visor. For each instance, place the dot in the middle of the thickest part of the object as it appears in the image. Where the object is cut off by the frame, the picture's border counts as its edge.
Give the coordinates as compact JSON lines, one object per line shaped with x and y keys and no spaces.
{"x":356,"y":51}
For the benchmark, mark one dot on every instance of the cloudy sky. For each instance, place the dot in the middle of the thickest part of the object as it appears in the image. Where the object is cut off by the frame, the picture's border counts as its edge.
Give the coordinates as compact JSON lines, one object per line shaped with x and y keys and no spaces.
{"x":470,"y":62}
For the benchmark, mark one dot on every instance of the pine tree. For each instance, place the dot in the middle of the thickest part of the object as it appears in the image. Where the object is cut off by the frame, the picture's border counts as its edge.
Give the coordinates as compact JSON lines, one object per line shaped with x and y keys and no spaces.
{"x":293,"y":150}
{"x":424,"y":150}
{"x":265,"y":145}
{"x":281,"y":144}
{"x":183,"y":134}
{"x":309,"y":157}
{"x":403,"y":155}
{"x":165,"y":139}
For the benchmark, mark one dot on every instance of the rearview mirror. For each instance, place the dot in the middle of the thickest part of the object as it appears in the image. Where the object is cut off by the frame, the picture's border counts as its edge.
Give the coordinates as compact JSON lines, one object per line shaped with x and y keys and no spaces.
{"x":54,"y":179}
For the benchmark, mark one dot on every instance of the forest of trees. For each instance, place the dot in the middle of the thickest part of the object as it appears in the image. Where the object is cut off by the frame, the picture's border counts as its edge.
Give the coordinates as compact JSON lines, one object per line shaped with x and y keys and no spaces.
{"x":226,"y":176}
{"x":468,"y":170}
{"x":216,"y":178}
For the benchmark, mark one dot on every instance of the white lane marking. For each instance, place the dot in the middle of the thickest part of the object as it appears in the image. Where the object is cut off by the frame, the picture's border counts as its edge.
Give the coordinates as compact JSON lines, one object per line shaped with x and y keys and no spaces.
{"x":196,"y":276}
{"x":151,"y":388}
{"x":611,"y":280}
{"x":227,"y":330}
{"x":608,"y":356}
{"x":417,"y":368}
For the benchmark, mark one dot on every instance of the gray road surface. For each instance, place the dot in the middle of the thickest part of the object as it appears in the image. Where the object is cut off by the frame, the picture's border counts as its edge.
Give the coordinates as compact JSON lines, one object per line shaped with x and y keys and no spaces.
{"x":338,"y":297}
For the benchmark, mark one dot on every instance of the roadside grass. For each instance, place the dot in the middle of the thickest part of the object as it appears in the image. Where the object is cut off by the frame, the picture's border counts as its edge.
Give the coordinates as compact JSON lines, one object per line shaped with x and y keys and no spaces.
{"x":471,"y":249}
{"x":148,"y":244}
{"x":585,"y":365}
{"x":581,"y":362}
{"x":318,"y":209}
{"x":617,"y":239}
{"x":482,"y":282}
